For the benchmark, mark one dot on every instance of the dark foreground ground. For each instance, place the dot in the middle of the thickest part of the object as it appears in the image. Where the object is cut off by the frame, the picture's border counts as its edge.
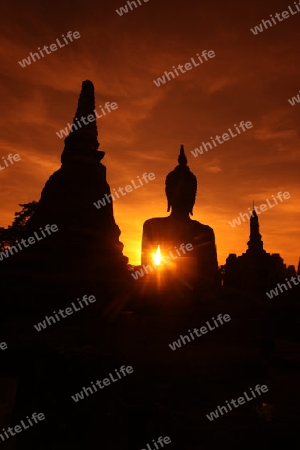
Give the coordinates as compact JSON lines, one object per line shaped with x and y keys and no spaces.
{"x":170,"y":392}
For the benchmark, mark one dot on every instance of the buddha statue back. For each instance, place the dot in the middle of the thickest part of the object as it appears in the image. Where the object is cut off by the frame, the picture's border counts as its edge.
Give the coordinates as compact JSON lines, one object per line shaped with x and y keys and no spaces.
{"x":177,"y":233}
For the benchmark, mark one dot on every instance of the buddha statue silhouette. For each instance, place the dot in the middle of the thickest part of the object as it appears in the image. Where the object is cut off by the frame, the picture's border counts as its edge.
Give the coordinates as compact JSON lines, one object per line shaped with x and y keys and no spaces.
{"x":198,"y":266}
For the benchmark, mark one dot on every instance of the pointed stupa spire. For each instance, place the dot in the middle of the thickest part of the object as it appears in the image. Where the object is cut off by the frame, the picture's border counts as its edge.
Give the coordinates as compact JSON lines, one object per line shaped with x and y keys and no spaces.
{"x":81,"y":145}
{"x":255,"y":242}
{"x":253,"y":214}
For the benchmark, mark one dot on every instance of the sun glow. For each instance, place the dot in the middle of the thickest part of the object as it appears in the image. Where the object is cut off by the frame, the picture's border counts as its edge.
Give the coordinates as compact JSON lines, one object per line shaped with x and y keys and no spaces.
{"x":157,"y":257}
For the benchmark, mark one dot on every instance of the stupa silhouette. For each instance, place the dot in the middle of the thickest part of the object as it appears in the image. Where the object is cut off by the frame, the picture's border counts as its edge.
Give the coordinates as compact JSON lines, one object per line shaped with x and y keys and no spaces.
{"x":87,"y":242}
{"x":256,"y":269}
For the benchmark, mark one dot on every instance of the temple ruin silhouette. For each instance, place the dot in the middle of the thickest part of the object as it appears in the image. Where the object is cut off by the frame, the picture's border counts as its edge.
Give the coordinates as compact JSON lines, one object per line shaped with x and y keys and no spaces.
{"x":255,"y":269}
{"x":87,"y":242}
{"x":87,"y":245}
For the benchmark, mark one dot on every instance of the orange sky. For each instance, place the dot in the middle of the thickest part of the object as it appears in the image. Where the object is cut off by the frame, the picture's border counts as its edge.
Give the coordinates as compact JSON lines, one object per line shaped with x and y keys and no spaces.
{"x":250,"y":78}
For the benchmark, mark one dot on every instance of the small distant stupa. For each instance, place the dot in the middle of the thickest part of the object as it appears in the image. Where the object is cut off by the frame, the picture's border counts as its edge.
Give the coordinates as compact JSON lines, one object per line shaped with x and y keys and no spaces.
{"x":255,"y":269}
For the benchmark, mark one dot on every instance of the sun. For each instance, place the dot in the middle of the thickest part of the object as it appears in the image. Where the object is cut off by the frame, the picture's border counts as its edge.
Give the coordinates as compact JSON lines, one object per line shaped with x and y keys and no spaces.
{"x":157,"y":257}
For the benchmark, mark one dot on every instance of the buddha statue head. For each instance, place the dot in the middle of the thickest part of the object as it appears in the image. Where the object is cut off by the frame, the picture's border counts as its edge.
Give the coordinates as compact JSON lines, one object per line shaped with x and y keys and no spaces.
{"x":181,"y":188}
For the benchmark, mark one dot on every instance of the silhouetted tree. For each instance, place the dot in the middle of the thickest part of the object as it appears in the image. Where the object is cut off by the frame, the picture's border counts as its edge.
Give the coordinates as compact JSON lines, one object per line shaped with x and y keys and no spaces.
{"x":15,"y":231}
